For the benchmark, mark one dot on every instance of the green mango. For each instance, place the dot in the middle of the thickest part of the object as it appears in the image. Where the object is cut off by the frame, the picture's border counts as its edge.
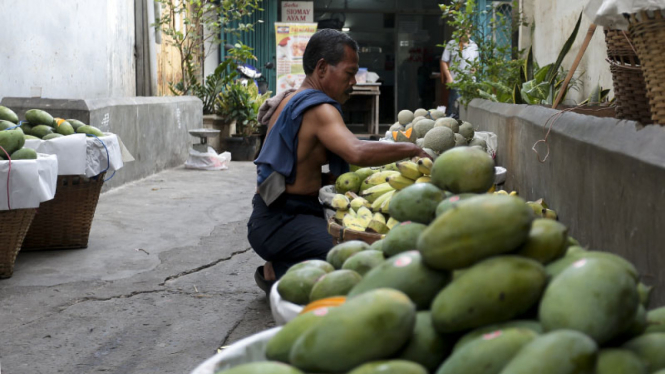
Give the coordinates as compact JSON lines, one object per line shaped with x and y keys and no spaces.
{"x":341,"y":252}
{"x":11,"y":141}
{"x":555,"y":268}
{"x":64,"y":128}
{"x":39,"y":117}
{"x":30,"y":137}
{"x":656,"y":320}
{"x":90,"y":130}
{"x":348,"y":182}
{"x":619,"y":361}
{"x":75,"y":123}
{"x":27,"y":128}
{"x":263,"y":368}
{"x":547,"y":241}
{"x":336,"y":283}
{"x":24,"y":154}
{"x":557,"y":352}
{"x":477,"y":228}
{"x":372,"y":326}
{"x":52,"y":136}
{"x":488,"y":354}
{"x":295,"y":286}
{"x":7,"y":114}
{"x":452,"y":201}
{"x":389,"y":367}
{"x":520,"y":324}
{"x":312,"y":263}
{"x":364,"y":261}
{"x":407,"y":273}
{"x":426,"y":346}
{"x":416,"y":203}
{"x":492,"y":291}
{"x":6,"y":125}
{"x":279,"y":346}
{"x":41,"y":131}
{"x":463,"y":169}
{"x":377,"y":245}
{"x":402,"y":238}
{"x":650,"y":348}
{"x":594,"y":295}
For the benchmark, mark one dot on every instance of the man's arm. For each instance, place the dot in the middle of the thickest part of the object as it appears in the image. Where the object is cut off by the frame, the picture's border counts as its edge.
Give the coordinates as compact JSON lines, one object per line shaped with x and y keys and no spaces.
{"x":445,"y":73}
{"x":336,"y":137}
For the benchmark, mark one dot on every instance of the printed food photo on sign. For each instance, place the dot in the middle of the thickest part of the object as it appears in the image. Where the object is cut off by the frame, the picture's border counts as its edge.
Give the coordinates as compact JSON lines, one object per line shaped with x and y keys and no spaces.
{"x":284,"y":49}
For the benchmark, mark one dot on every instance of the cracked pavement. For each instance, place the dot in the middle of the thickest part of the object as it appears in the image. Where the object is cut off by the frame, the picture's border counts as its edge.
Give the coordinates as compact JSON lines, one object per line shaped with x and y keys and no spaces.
{"x":166,"y":279}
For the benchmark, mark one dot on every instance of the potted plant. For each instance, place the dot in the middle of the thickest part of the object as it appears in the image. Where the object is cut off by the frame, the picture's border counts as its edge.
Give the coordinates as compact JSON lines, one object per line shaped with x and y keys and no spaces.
{"x":240,"y":104}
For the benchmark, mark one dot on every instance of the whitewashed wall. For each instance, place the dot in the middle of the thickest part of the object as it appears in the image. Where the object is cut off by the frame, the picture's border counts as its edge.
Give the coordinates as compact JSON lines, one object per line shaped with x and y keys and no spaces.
{"x":68,"y":48}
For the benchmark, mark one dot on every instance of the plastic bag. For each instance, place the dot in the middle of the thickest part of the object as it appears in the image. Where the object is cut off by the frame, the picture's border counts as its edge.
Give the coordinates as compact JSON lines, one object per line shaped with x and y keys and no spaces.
{"x":282,"y":311}
{"x":491,"y":139}
{"x":208,"y":161}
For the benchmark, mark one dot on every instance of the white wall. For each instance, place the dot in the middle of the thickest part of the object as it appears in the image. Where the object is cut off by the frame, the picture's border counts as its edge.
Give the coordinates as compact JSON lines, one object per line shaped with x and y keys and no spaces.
{"x":74,"y":49}
{"x":554,"y":21}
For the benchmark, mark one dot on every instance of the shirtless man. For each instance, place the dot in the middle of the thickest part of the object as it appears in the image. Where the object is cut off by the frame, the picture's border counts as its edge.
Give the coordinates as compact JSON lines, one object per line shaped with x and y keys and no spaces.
{"x":307,"y":131}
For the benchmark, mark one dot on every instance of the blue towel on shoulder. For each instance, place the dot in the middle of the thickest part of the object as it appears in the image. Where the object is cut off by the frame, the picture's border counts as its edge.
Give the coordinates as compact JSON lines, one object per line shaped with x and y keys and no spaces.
{"x":276,"y":164}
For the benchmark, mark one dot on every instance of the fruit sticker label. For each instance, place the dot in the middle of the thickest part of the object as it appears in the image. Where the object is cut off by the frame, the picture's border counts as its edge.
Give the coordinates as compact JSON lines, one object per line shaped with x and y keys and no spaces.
{"x":454,"y":199}
{"x":292,"y":39}
{"x":580,"y":263}
{"x":402,"y":261}
{"x":492,"y":335}
{"x":320,"y":312}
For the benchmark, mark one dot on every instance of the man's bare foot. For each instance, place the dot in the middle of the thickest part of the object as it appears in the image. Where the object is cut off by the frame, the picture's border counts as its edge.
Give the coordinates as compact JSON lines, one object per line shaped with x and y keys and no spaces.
{"x":269,"y":272}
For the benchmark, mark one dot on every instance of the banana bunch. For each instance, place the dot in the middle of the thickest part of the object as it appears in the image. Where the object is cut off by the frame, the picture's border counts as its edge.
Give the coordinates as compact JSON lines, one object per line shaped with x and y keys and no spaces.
{"x":502,"y":192}
{"x":357,"y":213}
{"x":411,"y":172}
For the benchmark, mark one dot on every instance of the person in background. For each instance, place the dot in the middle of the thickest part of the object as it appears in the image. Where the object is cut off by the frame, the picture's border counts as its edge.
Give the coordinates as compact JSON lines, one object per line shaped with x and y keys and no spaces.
{"x":453,"y":58}
{"x":305,"y":132}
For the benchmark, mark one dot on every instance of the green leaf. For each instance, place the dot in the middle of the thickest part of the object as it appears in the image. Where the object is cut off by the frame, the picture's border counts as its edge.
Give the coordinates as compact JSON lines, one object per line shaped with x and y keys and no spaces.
{"x":542,"y":73}
{"x":551,"y":75}
{"x":517,"y":95}
{"x":528,"y":65}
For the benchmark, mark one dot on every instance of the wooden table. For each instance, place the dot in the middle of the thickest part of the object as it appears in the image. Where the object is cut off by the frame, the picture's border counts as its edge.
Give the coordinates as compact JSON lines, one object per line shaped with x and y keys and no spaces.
{"x":370,"y":89}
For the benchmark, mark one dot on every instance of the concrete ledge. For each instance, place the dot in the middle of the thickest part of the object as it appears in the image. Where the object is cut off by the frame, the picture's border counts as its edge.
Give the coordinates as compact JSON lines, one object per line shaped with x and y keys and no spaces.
{"x":605,"y":177}
{"x":154,"y":129}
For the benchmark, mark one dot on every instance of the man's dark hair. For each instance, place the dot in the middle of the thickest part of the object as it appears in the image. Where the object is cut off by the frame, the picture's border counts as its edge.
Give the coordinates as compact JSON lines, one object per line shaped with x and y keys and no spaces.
{"x":326,"y":44}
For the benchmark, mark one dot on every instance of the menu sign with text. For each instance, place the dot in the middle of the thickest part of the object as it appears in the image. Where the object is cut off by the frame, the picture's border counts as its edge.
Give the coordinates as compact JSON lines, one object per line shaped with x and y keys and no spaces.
{"x":292,"y":39}
{"x":298,"y":11}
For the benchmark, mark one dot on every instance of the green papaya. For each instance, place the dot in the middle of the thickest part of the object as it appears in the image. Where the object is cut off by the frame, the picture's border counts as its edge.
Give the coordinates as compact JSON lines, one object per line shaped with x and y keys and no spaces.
{"x":557,"y":352}
{"x":595,"y":296}
{"x":24,"y":154}
{"x":11,"y":141}
{"x":279,"y":346}
{"x":650,"y":349}
{"x":75,"y":123}
{"x":63,"y":127}
{"x":341,"y":252}
{"x":364,"y":261}
{"x":574,"y":249}
{"x":416,"y":203}
{"x":656,"y":320}
{"x":463,"y":169}
{"x":487,"y":354}
{"x":452,"y":201}
{"x":52,"y":136}
{"x":7,"y":114}
{"x":402,"y":238}
{"x":389,"y":367}
{"x":295,"y":286}
{"x":407,"y":273}
{"x":555,"y":268}
{"x":41,"y":131}
{"x":546,"y":242}
{"x":377,"y":245}
{"x":336,"y":283}
{"x":520,"y":324}
{"x":313,"y":263}
{"x":372,"y":326}
{"x":348,"y":182}
{"x":477,"y":228}
{"x":4,"y":125}
{"x":91,"y":130}
{"x":426,"y":346}
{"x":492,"y":291}
{"x":262,"y":368}
{"x":39,"y":117}
{"x":619,"y":361}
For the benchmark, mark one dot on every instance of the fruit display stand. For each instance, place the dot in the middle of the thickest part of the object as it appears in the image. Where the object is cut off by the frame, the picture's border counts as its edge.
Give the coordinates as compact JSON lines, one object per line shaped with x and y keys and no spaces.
{"x":342,"y":234}
{"x":250,"y":349}
{"x":25,"y":184}
{"x":65,"y":221}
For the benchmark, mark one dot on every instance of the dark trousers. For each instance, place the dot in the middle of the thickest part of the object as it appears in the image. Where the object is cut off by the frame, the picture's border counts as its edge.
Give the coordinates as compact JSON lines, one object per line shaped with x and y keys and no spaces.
{"x":453,"y":110}
{"x":293,"y":229}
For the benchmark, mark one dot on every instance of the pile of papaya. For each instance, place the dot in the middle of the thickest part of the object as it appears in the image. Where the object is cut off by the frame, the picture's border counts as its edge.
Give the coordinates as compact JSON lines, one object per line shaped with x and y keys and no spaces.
{"x":39,"y":124}
{"x":480,"y":284}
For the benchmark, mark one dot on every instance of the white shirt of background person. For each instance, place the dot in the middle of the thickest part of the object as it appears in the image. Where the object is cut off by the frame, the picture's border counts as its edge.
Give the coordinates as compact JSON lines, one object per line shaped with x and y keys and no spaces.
{"x":451,"y":56}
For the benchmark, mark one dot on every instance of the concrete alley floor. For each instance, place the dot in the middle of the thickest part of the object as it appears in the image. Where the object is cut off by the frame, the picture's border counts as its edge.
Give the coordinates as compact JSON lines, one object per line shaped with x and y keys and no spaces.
{"x":166,"y":279}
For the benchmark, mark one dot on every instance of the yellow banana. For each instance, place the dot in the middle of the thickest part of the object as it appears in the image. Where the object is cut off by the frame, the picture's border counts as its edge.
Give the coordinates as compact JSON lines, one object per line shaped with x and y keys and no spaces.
{"x":501,"y":192}
{"x":513,"y":193}
{"x":386,"y":204}
{"x":371,"y":194}
{"x":379,"y":217}
{"x":350,"y":195}
{"x":341,"y":202}
{"x":359,"y":202}
{"x":376,"y":205}
{"x":377,"y":227}
{"x":399,"y":181}
{"x":392,"y":223}
{"x":339,"y":214}
{"x":354,"y":223}
{"x":424,"y":179}
{"x":425,"y":166}
{"x":379,"y":178}
{"x":409,"y":169}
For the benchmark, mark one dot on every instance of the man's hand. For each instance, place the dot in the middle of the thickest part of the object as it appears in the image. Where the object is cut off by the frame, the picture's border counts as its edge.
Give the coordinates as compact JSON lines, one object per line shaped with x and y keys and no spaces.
{"x":422,"y":153}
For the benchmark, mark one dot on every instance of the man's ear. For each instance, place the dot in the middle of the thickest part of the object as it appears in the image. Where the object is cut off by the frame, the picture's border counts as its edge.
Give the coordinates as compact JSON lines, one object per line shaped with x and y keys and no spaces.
{"x":321,"y":67}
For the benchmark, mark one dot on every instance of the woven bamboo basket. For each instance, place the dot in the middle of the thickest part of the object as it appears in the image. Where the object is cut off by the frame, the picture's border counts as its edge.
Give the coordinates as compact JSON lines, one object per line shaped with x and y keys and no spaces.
{"x":14,"y":225}
{"x":647,"y":30}
{"x":341,"y":234}
{"x":630,"y":91}
{"x":65,"y":221}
